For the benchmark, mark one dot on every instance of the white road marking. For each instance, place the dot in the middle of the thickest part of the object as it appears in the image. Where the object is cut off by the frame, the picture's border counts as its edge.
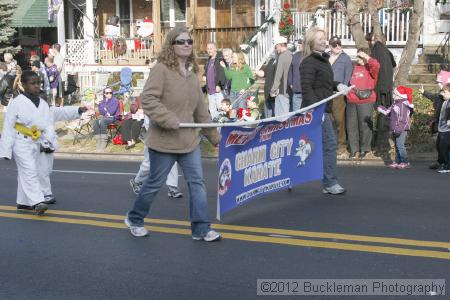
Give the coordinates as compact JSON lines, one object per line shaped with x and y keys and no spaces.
{"x":280,"y":235}
{"x":94,"y":172}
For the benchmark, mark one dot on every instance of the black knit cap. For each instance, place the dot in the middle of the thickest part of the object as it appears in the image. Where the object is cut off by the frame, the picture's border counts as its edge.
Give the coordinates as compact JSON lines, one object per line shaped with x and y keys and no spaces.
{"x":334,"y":41}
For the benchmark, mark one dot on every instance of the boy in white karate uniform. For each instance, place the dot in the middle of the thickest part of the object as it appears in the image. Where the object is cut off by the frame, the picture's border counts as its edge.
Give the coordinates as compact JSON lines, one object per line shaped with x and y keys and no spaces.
{"x":29,"y":135}
{"x":144,"y":170}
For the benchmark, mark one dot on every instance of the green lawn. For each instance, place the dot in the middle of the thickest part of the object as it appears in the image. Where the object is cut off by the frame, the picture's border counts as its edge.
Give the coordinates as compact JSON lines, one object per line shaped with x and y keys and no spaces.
{"x":1,"y":120}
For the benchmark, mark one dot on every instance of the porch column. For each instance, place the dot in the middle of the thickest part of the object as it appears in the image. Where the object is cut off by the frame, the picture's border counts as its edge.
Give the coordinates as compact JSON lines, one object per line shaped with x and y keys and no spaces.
{"x":61,"y":27}
{"x":275,"y":10}
{"x":192,"y":14}
{"x":89,"y":31}
{"x":157,"y":34}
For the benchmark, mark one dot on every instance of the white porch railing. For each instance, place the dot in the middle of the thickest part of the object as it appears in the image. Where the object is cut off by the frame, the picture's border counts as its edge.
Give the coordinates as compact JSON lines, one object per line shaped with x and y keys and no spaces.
{"x":139,"y":52}
{"x":394,"y":24}
{"x":259,"y":54}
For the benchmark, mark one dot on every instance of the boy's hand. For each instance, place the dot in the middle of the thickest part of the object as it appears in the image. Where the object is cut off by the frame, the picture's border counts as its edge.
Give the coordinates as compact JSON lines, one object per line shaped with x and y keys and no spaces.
{"x":259,"y":73}
{"x":275,"y":93}
{"x":82,"y":109}
{"x":222,"y":64}
{"x":421,"y":89}
{"x":448,"y":122}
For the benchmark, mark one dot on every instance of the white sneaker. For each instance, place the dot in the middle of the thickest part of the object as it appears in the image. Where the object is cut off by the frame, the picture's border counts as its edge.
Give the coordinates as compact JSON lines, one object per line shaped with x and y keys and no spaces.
{"x":136,"y":230}
{"x":334,"y":190}
{"x":211,"y":236}
{"x":175,"y":194}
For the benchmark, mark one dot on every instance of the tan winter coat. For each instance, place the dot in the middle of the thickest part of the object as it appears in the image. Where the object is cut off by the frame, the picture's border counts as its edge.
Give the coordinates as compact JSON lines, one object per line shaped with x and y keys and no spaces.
{"x":168,"y":95}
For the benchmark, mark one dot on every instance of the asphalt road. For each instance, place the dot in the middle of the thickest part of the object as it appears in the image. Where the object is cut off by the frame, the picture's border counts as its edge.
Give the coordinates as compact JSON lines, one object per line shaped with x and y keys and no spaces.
{"x":390,"y":224}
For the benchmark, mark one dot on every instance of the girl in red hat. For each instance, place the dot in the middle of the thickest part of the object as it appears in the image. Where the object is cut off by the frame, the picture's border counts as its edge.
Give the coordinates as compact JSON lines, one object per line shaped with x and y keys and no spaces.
{"x":399,"y":114}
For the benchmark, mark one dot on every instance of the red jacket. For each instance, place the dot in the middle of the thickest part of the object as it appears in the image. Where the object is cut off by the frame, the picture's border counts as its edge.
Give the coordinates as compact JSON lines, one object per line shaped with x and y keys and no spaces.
{"x":364,"y":78}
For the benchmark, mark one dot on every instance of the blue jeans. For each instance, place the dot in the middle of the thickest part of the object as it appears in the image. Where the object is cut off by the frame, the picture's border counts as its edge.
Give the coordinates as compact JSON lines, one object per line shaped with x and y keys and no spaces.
{"x":281,"y":105}
{"x":214,"y":102}
{"x":161,"y":163}
{"x":329,"y":145}
{"x":401,"y":156}
{"x":100,"y":126}
{"x":296,"y":101}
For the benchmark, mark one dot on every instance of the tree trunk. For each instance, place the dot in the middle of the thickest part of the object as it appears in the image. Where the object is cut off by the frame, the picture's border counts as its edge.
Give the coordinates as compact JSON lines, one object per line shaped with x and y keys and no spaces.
{"x":157,"y":25}
{"x":415,"y":28}
{"x":373,"y":11}
{"x":354,"y":23}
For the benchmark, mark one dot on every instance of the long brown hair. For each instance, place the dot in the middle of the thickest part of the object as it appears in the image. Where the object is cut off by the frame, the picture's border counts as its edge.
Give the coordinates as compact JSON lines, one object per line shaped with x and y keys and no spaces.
{"x":167,"y":55}
{"x":239,"y":65}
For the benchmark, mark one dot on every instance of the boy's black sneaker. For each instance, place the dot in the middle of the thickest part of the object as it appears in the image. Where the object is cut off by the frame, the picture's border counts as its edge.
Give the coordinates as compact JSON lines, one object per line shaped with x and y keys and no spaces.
{"x":444,"y":169}
{"x":135,"y":186}
{"x":26,"y":207}
{"x":434,"y":166}
{"x":39,"y":208}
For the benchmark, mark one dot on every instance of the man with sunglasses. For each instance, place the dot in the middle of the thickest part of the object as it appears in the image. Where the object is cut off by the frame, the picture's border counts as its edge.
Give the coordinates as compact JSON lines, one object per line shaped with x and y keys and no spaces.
{"x":342,"y":67}
{"x":214,"y":77}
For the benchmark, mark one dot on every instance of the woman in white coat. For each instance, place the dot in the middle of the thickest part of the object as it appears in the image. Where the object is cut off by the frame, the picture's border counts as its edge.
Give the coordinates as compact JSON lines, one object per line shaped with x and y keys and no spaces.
{"x":29,"y":135}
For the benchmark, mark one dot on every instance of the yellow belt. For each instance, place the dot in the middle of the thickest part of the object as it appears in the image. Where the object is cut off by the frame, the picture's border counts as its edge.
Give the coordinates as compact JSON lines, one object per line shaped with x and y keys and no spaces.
{"x":32,"y":132}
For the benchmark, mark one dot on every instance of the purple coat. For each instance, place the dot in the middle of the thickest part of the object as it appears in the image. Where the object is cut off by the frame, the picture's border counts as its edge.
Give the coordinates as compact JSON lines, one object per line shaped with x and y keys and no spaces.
{"x":109,"y":109}
{"x":53,"y":76}
{"x":399,"y":114}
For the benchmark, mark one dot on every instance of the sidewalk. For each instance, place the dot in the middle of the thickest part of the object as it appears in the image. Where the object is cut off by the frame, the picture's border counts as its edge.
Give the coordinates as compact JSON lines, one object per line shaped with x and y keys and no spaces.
{"x":85,"y":149}
{"x":137,"y":155}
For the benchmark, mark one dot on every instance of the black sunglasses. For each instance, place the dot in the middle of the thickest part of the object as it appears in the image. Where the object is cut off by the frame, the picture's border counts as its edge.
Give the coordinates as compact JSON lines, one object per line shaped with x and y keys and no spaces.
{"x":183,"y":42}
{"x":106,"y":93}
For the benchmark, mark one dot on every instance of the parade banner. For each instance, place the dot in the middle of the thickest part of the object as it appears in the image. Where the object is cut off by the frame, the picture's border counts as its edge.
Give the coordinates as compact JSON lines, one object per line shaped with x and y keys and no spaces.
{"x":268,"y":158}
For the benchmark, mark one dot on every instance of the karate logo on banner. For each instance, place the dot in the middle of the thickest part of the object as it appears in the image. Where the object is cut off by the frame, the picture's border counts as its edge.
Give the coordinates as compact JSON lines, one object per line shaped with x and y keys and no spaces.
{"x":268,"y":158}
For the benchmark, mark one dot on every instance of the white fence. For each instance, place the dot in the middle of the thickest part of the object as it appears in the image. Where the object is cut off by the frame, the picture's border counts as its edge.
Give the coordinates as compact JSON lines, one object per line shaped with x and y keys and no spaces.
{"x":258,"y":55}
{"x":394,"y":24}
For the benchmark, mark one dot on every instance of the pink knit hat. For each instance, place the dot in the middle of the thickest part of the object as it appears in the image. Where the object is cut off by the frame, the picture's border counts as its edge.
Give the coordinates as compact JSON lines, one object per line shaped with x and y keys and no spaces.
{"x":443,"y":77}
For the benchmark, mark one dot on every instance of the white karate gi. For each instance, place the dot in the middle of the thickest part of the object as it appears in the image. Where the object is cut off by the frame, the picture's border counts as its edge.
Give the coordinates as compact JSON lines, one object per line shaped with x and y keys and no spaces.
{"x":33,"y":167}
{"x":144,"y":169}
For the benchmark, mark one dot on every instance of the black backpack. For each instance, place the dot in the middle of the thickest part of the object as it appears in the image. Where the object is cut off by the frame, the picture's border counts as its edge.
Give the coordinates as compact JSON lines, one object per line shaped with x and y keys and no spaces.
{"x":6,"y":91}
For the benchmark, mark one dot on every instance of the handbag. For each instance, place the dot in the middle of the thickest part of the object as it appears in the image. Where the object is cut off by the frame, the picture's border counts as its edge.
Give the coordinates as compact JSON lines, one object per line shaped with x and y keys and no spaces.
{"x":117,"y":140}
{"x":362,"y":94}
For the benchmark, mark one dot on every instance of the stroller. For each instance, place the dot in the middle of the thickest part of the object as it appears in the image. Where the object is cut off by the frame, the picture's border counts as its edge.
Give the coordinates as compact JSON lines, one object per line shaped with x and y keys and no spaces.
{"x":71,"y":93}
{"x":126,"y":77}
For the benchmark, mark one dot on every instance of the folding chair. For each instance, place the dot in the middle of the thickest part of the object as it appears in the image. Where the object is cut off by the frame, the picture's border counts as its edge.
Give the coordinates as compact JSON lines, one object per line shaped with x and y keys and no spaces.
{"x":82,"y":129}
{"x":114,"y":128}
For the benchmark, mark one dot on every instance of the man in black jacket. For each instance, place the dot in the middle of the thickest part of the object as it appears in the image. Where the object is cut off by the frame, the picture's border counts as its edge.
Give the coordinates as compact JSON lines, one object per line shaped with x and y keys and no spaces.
{"x":383,"y":90}
{"x":269,"y":74}
{"x":214,"y":77}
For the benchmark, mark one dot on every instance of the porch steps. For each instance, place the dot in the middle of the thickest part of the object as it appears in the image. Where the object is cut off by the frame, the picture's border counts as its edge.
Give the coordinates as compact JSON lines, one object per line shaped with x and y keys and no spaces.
{"x":424,"y":68}
{"x":422,"y":78}
{"x":424,"y":73}
{"x":427,"y":86}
